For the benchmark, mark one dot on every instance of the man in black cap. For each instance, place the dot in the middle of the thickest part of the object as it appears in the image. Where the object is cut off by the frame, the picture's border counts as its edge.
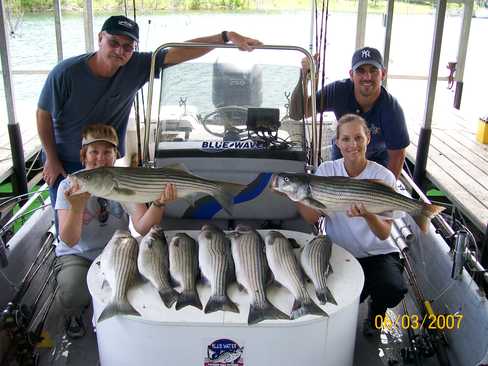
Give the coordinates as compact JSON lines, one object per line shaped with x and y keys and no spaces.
{"x":100,"y":87}
{"x":364,"y":95}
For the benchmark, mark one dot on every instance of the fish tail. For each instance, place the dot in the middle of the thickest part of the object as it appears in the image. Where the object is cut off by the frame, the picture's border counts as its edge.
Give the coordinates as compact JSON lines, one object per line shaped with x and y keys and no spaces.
{"x":169,"y":296}
{"x":188,"y":298}
{"x":226,"y":193}
{"x":115,"y":308}
{"x":301,"y":308}
{"x":258,"y":314}
{"x":325,"y":296}
{"x":428,"y":212}
{"x":225,"y":200}
{"x":220,"y":302}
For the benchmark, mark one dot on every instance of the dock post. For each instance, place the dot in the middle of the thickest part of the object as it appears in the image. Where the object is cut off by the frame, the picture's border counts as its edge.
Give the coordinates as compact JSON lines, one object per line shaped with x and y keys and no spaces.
{"x":19,"y":183}
{"x":426,"y":131}
{"x":462,"y":51}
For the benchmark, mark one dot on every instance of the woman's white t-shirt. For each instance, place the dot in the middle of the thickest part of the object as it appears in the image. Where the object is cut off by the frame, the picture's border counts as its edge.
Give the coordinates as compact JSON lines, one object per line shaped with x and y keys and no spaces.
{"x":353,"y":233}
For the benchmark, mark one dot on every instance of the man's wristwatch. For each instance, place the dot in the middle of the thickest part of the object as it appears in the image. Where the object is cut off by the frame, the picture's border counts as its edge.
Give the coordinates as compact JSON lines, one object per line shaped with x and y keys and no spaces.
{"x":225,"y":37}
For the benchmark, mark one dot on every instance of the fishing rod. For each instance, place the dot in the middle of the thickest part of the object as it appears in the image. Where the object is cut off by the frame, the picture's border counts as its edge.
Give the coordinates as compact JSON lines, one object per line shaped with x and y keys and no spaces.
{"x":20,"y":197}
{"x":449,"y":234}
{"x":16,"y":317}
{"x":47,"y":248}
{"x":432,"y":340}
{"x":411,"y":353}
{"x":322,"y":47}
{"x":17,"y":321}
{"x":18,"y":215}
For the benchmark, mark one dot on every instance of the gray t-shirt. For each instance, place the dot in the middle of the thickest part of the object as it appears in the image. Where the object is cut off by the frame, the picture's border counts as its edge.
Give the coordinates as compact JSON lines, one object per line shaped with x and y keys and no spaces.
{"x":75,"y":97}
{"x":100,"y":220}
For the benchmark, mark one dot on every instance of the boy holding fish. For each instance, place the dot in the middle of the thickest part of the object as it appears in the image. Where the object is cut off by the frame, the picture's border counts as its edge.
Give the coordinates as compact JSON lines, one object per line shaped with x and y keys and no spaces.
{"x":87,"y":223}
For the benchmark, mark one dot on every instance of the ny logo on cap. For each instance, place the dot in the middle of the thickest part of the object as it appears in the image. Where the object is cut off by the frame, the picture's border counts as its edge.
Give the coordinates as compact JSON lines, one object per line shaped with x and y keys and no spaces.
{"x":125,"y":23}
{"x":365,"y":54}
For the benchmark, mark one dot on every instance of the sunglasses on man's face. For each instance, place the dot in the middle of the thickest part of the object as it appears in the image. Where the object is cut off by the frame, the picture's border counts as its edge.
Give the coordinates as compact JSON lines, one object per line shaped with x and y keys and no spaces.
{"x":126,"y":47}
{"x":103,"y":213}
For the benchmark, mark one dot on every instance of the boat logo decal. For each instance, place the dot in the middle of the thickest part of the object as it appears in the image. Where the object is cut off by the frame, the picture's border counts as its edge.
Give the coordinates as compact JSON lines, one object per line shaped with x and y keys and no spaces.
{"x":224,"y":352}
{"x":232,"y":145}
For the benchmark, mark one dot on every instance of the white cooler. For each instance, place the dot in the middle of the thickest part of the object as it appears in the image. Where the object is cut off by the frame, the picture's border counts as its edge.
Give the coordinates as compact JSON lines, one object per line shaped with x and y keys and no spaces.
{"x":164,"y":336}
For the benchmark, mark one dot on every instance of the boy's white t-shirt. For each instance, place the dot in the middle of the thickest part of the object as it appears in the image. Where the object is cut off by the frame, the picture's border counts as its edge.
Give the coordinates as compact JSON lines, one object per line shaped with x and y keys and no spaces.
{"x":94,"y":233}
{"x":353,"y":233}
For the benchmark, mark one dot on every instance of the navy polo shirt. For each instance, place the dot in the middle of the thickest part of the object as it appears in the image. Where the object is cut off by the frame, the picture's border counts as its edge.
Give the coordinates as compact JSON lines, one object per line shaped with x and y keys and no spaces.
{"x":385,"y":119}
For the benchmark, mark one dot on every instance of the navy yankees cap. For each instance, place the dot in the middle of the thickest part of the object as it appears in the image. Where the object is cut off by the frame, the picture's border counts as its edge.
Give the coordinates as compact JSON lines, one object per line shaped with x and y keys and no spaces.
{"x":121,"y":25}
{"x":367,"y":56}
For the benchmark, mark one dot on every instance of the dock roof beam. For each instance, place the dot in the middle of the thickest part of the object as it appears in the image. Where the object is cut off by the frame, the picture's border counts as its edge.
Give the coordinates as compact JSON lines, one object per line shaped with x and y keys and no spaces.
{"x":462,"y":51}
{"x":57,"y":27}
{"x":389,"y":27}
{"x":426,"y":131}
{"x":88,"y":22}
{"x":361,"y":23}
{"x":19,"y":182}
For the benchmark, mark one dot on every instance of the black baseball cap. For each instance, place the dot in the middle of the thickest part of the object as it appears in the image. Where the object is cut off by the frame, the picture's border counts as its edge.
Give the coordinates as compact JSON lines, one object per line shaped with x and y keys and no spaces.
{"x":121,"y":25}
{"x":367,"y":56}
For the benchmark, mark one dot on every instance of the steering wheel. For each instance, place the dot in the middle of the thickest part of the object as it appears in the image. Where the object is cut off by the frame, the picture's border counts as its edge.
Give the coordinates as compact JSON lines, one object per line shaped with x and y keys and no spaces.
{"x":230,"y":117}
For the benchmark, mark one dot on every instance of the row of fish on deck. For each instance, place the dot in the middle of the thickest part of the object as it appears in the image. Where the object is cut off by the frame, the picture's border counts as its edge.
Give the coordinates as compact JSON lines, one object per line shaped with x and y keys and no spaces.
{"x":240,"y":255}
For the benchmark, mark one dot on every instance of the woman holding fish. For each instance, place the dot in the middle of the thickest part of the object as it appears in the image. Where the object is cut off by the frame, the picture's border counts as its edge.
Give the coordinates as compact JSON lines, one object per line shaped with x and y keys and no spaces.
{"x":87,"y":223}
{"x":362,"y":233}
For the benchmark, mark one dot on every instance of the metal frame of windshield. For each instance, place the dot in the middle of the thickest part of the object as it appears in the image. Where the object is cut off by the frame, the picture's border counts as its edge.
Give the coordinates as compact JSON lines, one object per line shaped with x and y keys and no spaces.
{"x":147,"y":119}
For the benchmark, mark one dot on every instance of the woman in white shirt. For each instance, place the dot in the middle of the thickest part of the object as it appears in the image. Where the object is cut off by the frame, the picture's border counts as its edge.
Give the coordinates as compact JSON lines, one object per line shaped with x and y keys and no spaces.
{"x":364,"y":234}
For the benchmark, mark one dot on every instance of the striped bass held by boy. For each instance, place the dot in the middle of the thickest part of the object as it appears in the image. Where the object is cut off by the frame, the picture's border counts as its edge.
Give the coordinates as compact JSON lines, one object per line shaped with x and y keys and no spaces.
{"x":127,"y":184}
{"x":337,"y":194}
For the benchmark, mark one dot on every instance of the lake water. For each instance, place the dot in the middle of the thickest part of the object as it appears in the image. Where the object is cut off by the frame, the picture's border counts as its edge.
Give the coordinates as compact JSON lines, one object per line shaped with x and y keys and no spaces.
{"x":34,"y":48}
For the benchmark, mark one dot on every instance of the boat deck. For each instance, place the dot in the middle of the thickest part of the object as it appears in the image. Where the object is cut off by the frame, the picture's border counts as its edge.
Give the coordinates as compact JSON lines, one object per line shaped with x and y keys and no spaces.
{"x":457,"y":164}
{"x":372,"y":351}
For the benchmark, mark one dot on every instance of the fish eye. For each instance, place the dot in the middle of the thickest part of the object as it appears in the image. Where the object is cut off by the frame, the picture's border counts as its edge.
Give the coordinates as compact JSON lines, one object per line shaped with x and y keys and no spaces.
{"x":286,"y":179}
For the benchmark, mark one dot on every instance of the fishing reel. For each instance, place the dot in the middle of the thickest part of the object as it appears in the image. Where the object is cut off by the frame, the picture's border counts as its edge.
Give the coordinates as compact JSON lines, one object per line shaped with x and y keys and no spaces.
{"x":420,"y":347}
{"x":15,"y":320}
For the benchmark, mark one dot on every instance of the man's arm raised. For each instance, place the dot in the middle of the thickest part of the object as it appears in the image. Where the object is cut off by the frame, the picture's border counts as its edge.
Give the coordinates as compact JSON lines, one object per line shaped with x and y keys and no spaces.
{"x":177,"y":54}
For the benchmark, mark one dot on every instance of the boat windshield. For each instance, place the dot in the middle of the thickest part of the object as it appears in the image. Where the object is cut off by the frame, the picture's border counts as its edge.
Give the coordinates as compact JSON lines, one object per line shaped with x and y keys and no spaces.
{"x":230,"y":100}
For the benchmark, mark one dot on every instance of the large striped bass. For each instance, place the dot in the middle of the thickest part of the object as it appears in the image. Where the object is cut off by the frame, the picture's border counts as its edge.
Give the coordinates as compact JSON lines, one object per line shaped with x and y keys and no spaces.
{"x":153,"y":264}
{"x":337,"y":194}
{"x":183,"y":267}
{"x":252,"y":273}
{"x":217,"y":267}
{"x":315,"y":261}
{"x":125,"y":184}
{"x":118,"y":263}
{"x":286,"y":271}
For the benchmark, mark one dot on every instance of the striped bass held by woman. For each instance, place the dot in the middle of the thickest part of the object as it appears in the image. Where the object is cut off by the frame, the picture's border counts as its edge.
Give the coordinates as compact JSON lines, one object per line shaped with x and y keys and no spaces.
{"x":337,"y":194}
{"x":140,"y":185}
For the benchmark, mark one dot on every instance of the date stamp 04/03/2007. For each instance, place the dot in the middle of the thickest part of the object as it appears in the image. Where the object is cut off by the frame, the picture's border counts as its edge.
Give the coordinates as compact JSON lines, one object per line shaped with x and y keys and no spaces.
{"x":433,"y":321}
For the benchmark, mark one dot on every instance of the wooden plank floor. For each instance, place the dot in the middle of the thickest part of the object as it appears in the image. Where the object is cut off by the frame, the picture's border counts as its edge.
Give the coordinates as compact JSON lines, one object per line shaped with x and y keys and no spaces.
{"x":457,"y":164}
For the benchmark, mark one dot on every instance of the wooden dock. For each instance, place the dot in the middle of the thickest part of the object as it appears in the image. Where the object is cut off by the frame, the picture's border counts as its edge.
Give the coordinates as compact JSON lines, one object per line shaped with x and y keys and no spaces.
{"x":457,"y":164}
{"x":30,"y":141}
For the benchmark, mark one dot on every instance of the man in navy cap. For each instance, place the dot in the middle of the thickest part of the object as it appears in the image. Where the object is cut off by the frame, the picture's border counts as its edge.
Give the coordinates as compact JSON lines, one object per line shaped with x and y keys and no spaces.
{"x":364,"y":95}
{"x":100,"y":87}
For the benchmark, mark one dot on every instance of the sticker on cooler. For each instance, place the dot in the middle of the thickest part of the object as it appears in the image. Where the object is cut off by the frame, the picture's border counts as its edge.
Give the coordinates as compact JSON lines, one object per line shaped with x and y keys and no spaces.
{"x":224,"y":352}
